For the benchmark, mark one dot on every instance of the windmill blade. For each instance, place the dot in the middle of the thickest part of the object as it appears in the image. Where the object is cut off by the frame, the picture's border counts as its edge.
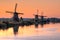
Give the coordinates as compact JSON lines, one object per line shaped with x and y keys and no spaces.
{"x":15,"y":7}
{"x":37,"y":11}
{"x":9,"y":12}
{"x":42,"y":15}
{"x":20,"y":13}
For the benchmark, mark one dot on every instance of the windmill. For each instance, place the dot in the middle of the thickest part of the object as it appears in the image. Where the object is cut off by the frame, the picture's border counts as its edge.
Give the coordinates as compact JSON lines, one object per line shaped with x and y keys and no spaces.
{"x":42,"y":17}
{"x":15,"y":16}
{"x":36,"y":17}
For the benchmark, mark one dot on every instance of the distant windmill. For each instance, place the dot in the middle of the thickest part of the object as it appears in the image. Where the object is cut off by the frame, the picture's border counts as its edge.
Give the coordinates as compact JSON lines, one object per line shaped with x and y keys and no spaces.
{"x":36,"y":16}
{"x":15,"y":17}
{"x":42,"y":17}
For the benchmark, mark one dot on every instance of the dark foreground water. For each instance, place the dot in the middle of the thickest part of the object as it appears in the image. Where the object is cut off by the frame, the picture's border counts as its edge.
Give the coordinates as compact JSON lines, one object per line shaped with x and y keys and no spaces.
{"x":47,"y":32}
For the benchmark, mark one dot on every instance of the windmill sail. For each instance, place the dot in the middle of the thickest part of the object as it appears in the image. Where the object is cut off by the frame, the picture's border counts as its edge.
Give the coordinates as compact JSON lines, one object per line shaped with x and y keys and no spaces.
{"x":15,"y":7}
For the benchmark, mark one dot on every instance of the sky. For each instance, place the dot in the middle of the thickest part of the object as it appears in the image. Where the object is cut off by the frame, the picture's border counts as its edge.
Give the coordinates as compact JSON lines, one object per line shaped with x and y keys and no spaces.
{"x":50,"y":8}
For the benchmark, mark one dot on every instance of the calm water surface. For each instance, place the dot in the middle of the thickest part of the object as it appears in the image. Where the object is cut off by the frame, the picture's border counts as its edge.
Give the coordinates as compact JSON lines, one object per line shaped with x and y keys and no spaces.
{"x":47,"y":32}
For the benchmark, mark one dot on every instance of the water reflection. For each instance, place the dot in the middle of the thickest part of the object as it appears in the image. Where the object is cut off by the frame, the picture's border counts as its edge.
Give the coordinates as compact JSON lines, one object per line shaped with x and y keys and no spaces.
{"x":15,"y":29}
{"x":42,"y":25}
{"x":32,"y":30}
{"x":36,"y":25}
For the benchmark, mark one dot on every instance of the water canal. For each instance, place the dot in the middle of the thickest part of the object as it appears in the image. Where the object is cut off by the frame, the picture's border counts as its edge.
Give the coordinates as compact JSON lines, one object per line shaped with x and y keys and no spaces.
{"x":32,"y":32}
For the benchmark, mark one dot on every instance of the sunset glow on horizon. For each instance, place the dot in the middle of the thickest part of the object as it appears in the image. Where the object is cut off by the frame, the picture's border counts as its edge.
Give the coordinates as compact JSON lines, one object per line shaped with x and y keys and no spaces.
{"x":51,"y":8}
